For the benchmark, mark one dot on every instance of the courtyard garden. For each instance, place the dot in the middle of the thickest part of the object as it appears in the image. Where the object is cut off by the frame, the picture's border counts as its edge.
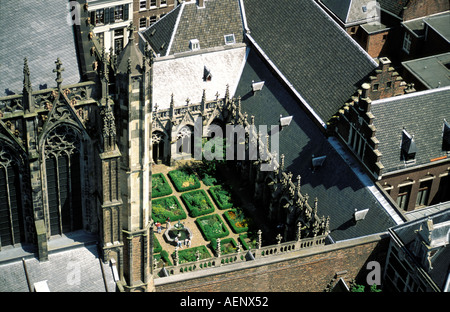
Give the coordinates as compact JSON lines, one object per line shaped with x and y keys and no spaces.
{"x":204,"y":202}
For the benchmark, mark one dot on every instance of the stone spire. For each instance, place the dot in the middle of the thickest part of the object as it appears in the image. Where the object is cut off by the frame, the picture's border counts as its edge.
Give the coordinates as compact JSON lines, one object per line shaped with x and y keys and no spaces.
{"x":27,"y":101}
{"x":59,"y":69}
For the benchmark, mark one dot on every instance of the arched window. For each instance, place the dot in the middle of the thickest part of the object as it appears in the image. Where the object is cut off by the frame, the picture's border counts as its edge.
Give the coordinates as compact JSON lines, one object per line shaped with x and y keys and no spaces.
{"x":158,"y":139}
{"x":63,"y":175}
{"x":11,"y":220}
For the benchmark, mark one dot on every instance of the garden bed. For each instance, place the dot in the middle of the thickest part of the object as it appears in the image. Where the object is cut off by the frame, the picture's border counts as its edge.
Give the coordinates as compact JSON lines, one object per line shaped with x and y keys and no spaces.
{"x":237,"y":220}
{"x":189,"y":255}
{"x":227,"y":246}
{"x":212,"y":227}
{"x":160,"y":186}
{"x":197,"y":203}
{"x":162,"y":259}
{"x":167,"y":207}
{"x":184,"y":180}
{"x":221,"y":196}
{"x":247,"y":242}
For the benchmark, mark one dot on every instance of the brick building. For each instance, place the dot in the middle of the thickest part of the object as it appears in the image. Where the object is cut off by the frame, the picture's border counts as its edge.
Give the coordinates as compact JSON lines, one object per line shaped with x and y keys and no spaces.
{"x":402,"y":142}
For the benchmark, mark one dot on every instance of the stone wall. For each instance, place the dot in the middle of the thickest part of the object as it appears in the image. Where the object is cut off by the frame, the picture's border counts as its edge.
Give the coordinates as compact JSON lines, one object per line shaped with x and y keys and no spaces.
{"x":309,"y":270}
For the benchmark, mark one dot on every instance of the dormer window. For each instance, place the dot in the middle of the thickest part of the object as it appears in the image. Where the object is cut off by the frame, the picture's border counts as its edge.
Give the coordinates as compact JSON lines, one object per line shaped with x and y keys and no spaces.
{"x":229,"y":39}
{"x":194,"y":44}
{"x":446,"y":136}
{"x":207,"y":76}
{"x":408,"y":147}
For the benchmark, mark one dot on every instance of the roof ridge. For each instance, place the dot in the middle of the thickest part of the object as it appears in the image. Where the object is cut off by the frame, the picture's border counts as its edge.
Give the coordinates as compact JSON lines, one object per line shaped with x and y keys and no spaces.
{"x":175,"y":28}
{"x":414,"y":94}
{"x":339,"y":28}
{"x":348,"y":11}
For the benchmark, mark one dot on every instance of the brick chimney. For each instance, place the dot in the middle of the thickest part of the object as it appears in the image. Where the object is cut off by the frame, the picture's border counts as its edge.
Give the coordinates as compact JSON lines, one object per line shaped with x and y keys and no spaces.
{"x":201,"y":3}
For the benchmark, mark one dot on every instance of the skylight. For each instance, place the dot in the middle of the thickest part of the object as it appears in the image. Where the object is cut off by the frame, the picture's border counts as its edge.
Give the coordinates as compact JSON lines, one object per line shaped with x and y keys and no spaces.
{"x":229,"y":39}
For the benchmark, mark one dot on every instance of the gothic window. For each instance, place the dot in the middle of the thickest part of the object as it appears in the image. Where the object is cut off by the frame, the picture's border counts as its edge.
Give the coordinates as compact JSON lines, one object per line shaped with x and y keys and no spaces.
{"x":158,"y":146}
{"x":63,"y":174}
{"x":11,"y":221}
{"x":185,"y":140}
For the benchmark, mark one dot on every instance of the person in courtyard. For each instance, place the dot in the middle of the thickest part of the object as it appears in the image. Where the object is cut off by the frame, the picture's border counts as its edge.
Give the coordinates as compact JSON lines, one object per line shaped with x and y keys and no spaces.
{"x":168,"y":223}
{"x":158,"y":227}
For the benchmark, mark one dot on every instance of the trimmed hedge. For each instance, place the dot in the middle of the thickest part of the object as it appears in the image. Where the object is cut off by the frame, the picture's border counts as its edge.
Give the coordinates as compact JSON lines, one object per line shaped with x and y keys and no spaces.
{"x":164,"y":256}
{"x":242,"y":238}
{"x":224,"y":249}
{"x":188,"y":255}
{"x":239,"y":223}
{"x":221,"y":197}
{"x":184,"y":180}
{"x":160,"y":186}
{"x":156,"y":245}
{"x":161,"y":209}
{"x":197,"y":203}
{"x":212,"y":227}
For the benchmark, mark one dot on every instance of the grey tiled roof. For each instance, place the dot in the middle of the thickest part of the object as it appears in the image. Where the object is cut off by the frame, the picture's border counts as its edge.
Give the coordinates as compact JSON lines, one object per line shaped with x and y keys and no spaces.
{"x":394,"y":6}
{"x":75,"y":269}
{"x":316,"y":56}
{"x":422,"y":115}
{"x":39,"y":31}
{"x":160,"y":33}
{"x":339,"y":7}
{"x":338,"y":189}
{"x":208,"y":25}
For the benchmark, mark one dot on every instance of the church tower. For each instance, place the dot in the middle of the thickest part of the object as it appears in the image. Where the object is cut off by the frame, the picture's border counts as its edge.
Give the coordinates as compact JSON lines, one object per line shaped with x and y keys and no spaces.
{"x":134,"y":119}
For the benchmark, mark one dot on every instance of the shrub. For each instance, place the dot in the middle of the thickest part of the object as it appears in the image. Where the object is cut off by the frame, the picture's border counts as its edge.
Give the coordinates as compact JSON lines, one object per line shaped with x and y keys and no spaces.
{"x":221,"y":197}
{"x":160,"y":186}
{"x":237,"y":221}
{"x":227,"y":245}
{"x":197,"y":203}
{"x":156,"y":245}
{"x":212,"y":227}
{"x":164,"y":256}
{"x":189,"y":255}
{"x":165,"y":207}
{"x":247,"y":242}
{"x":184,"y":180}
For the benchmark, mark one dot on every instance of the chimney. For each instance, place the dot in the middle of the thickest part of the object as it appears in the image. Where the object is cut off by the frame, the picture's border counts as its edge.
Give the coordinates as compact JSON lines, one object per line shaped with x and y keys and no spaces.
{"x":364,"y":101}
{"x":201,"y":3}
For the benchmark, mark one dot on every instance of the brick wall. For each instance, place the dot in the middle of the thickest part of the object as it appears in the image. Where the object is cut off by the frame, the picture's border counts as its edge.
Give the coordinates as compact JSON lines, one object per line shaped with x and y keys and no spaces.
{"x":309,"y":273}
{"x":420,"y":8}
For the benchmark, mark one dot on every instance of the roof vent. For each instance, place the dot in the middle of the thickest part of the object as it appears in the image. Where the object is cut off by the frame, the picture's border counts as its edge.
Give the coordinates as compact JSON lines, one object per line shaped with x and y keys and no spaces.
{"x":360,"y":215}
{"x":207,"y":76}
{"x":408,"y":147}
{"x":446,"y":136}
{"x":257,"y":86}
{"x":285,"y":121}
{"x":317,"y":162}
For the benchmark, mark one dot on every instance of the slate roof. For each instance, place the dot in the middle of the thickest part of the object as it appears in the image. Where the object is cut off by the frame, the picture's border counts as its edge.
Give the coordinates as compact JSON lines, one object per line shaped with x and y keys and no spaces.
{"x":75,"y":269}
{"x":441,"y":262}
{"x":40,"y":32}
{"x":159,"y":34}
{"x":394,"y":6}
{"x":432,"y":71}
{"x":312,"y":51}
{"x":209,"y":25}
{"x":351,"y":11}
{"x":422,"y":115}
{"x":336,"y":186}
